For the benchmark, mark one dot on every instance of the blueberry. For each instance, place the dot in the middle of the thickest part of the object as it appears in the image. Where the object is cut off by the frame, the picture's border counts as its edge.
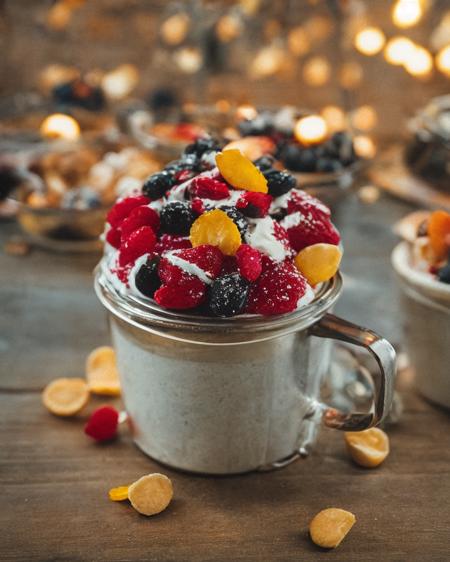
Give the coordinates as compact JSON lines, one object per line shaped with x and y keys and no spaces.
{"x":177,"y":218}
{"x":264,"y":163}
{"x":444,"y":274}
{"x":278,"y":182}
{"x":157,"y":184}
{"x":328,"y":165}
{"x":202,"y":145}
{"x":147,"y":280}
{"x":237,"y":217}
{"x":186,"y":162}
{"x":298,"y":159}
{"x":260,"y":125}
{"x":228,"y":295}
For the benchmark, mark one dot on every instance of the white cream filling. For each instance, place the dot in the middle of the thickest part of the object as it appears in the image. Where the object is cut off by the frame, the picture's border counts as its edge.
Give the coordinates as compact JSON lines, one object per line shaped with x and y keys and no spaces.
{"x":261,"y":236}
{"x":307,"y":297}
{"x":292,"y":220}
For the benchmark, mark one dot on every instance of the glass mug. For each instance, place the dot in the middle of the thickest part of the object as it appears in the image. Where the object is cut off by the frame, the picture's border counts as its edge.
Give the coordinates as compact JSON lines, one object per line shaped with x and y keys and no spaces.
{"x":232,"y":395}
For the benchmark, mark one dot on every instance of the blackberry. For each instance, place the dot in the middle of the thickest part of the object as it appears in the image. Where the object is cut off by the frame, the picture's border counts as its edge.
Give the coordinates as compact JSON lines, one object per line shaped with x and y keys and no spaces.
{"x":228,"y":295}
{"x":298,"y":159}
{"x":157,"y":184}
{"x":202,"y":145}
{"x":444,"y":274}
{"x":147,"y":280}
{"x":278,"y":182}
{"x":237,"y":217}
{"x":177,"y":218}
{"x":264,"y":163}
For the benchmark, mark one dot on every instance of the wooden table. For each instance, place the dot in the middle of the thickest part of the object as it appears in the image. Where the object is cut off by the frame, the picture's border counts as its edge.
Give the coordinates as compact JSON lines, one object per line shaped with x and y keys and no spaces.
{"x":54,"y":480}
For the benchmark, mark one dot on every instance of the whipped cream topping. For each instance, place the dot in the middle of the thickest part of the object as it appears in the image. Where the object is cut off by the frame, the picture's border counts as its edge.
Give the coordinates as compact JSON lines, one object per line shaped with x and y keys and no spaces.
{"x":261,"y":235}
{"x":292,"y":220}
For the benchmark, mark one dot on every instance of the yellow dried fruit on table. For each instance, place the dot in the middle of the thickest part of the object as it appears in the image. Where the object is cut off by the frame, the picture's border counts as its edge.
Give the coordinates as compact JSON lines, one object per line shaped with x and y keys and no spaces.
{"x":319,"y":262}
{"x":240,"y":172}
{"x":118,"y":494}
{"x":216,"y":229}
{"x":151,"y":494}
{"x":101,"y":372}
{"x":66,"y":397}
{"x":329,"y":527}
{"x":367,"y":448}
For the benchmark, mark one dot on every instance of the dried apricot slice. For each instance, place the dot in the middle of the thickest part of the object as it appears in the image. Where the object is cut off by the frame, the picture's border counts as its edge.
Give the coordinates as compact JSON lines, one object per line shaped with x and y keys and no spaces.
{"x":65,"y":397}
{"x":329,"y":527}
{"x":439,"y":233}
{"x":101,"y":372}
{"x":216,"y":229}
{"x":240,"y":172}
{"x":367,"y":448}
{"x":318,"y":262}
{"x":151,"y":494}
{"x":118,"y":494}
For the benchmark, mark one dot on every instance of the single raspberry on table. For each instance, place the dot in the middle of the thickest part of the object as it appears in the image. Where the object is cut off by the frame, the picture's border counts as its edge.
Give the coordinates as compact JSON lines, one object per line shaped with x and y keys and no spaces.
{"x":209,"y":188}
{"x":249,"y":262}
{"x":308,"y":229}
{"x":123,"y":208}
{"x":254,"y":205}
{"x":103,"y":423}
{"x":169,"y":242}
{"x":141,"y":241}
{"x":277,"y":290}
{"x":139,"y":216}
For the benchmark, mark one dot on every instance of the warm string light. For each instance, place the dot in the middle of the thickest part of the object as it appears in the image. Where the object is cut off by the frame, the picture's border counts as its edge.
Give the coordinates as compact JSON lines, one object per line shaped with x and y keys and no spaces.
{"x":317,"y":71}
{"x":120,"y":82}
{"x":188,"y":59}
{"x":369,"y":41}
{"x":246,"y":111}
{"x":443,"y":61}
{"x":419,"y":62}
{"x":311,"y":130}
{"x":364,"y":146}
{"x":60,"y":126}
{"x":406,"y":13}
{"x":174,"y":30}
{"x":398,"y":50}
{"x":334,"y":118}
{"x":364,"y":118}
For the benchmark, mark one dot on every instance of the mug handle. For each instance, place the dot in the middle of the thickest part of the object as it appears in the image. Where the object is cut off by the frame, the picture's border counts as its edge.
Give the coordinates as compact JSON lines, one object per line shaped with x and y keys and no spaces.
{"x":330,"y":326}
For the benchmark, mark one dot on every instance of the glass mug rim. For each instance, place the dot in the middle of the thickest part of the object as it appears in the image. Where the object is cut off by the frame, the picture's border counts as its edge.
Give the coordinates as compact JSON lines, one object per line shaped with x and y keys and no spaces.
{"x":198,"y":329}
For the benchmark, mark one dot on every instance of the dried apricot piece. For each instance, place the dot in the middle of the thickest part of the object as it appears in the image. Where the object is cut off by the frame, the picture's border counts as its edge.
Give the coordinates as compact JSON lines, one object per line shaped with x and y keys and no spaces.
{"x":439,"y":233}
{"x":240,"y":172}
{"x":101,"y":372}
{"x":118,"y":494}
{"x":318,"y":262}
{"x":329,"y":527}
{"x":151,"y":494}
{"x":367,"y":448}
{"x":216,"y":229}
{"x":65,"y":397}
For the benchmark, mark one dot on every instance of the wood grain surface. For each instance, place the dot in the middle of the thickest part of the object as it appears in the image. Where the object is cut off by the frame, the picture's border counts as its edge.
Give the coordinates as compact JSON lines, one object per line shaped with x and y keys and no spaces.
{"x":54,"y":481}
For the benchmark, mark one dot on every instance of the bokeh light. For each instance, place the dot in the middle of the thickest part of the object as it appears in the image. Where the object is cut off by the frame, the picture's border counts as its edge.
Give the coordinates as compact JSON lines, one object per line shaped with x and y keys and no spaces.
{"x":370,"y":41}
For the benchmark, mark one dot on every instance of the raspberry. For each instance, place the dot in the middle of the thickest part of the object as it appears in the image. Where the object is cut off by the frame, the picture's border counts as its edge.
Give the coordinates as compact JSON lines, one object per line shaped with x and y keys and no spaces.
{"x":209,"y":188}
{"x":102,"y":425}
{"x":123,"y":208}
{"x":171,"y":242}
{"x":254,"y":205}
{"x":206,"y":257}
{"x":188,"y":292}
{"x":169,"y":273}
{"x":184,"y":175}
{"x":123,"y":272}
{"x":249,"y":262}
{"x":140,"y":216}
{"x":303,"y":202}
{"x":308,"y":229}
{"x":277,"y":290}
{"x":229,"y":265}
{"x":141,"y":241}
{"x":113,"y":237}
{"x":197,"y":206}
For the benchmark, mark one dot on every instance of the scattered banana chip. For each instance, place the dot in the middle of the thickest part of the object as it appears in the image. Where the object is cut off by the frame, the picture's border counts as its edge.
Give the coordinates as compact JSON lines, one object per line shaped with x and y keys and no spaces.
{"x":66,"y":397}
{"x":367,"y":448}
{"x":329,"y":527}
{"x":101,"y":372}
{"x":118,"y":494}
{"x":151,"y":494}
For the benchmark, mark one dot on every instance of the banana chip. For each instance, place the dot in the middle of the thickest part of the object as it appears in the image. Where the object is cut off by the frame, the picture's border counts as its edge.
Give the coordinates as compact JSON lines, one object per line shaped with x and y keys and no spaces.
{"x":101,"y":372}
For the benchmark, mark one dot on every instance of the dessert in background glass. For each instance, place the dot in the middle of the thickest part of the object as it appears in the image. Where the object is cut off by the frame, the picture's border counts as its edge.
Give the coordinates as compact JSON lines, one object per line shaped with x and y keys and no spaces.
{"x":421,"y":262}
{"x":217,"y":275}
